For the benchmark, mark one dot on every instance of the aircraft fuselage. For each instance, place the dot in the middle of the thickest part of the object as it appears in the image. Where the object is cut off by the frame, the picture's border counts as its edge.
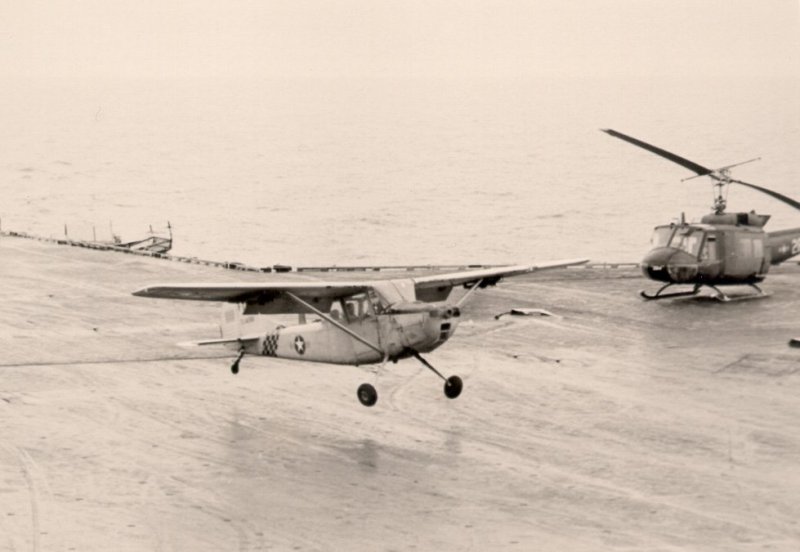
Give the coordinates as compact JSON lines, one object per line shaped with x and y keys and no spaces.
{"x":321,"y":341}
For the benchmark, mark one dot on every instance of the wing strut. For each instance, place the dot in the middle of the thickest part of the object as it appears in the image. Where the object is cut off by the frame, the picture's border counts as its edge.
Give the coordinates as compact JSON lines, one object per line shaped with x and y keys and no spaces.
{"x":475,"y":286}
{"x":339,"y":325}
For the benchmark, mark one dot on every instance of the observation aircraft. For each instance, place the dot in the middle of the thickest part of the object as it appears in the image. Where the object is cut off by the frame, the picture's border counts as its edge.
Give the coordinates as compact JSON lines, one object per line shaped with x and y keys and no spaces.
{"x":723,"y":249}
{"x":361,"y":322}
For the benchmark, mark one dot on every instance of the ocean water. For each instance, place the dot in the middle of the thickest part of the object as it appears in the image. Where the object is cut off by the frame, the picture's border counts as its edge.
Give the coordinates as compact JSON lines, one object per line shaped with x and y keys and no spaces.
{"x":388,"y":171}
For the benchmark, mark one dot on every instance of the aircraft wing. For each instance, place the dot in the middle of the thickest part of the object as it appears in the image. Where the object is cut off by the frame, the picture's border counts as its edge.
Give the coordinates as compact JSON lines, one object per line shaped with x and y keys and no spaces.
{"x":273,"y":297}
{"x":252,"y":292}
{"x":438,"y":286}
{"x":488,"y":276}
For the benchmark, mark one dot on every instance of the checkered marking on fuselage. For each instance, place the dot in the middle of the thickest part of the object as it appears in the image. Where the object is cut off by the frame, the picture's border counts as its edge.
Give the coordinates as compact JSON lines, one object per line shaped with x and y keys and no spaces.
{"x":270,"y":347}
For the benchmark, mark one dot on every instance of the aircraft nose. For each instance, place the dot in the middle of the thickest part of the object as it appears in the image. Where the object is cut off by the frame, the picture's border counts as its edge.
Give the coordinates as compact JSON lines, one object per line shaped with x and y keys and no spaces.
{"x":654,"y":264}
{"x":659,"y":256}
{"x":439,"y":329}
{"x":668,"y":264}
{"x":445,"y":313}
{"x":682,"y":270}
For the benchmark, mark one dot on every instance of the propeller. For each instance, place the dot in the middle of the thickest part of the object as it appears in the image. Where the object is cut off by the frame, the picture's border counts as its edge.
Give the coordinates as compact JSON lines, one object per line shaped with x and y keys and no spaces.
{"x":720,"y":175}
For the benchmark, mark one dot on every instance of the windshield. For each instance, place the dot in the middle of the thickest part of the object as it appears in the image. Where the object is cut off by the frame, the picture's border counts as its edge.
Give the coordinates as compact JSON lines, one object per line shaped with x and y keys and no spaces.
{"x":661,"y":236}
{"x":687,"y":240}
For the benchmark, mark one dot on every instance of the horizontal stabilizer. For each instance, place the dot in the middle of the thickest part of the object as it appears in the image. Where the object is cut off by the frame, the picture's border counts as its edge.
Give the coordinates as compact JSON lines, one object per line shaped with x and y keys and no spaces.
{"x":227,"y":340}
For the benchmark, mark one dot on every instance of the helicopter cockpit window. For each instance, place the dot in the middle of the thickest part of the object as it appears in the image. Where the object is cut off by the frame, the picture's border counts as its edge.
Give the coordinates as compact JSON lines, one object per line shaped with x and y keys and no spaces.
{"x":687,"y":241}
{"x":661,"y":236}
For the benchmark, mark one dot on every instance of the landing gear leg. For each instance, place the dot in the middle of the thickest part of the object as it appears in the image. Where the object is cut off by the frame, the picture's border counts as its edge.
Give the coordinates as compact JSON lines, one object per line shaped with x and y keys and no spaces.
{"x":758,"y":289}
{"x":760,"y":293}
{"x":366,"y":391}
{"x":235,"y":365}
{"x":720,"y":295}
{"x":660,"y":295}
{"x":452,"y":385}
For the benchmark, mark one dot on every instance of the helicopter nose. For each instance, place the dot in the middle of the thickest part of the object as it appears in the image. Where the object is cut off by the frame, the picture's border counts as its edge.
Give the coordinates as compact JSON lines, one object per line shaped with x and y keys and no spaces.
{"x":682,"y":273}
{"x":668,"y":264}
{"x":654,"y":264}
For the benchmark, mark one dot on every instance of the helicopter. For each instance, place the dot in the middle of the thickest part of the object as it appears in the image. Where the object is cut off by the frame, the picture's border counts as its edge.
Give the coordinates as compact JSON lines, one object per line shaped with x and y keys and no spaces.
{"x":723,"y":249}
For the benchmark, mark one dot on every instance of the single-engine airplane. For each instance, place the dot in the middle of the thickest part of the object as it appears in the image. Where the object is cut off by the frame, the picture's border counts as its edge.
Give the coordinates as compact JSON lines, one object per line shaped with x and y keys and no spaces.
{"x":361,"y":322}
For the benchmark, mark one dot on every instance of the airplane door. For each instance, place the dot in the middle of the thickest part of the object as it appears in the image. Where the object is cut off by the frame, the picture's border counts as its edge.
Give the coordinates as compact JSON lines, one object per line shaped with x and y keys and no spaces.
{"x":359,"y":311}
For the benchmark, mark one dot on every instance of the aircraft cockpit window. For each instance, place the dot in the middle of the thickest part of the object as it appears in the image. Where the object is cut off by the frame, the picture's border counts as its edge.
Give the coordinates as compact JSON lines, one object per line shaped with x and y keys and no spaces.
{"x":661,"y":236}
{"x":357,"y":307}
{"x":687,"y":241}
{"x":336,"y":310}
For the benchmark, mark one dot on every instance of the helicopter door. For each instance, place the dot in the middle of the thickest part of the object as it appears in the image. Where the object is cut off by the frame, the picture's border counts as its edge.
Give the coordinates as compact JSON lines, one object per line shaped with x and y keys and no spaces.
{"x":709,"y":253}
{"x":710,"y":256}
{"x":758,"y":253}
{"x":748,"y":259}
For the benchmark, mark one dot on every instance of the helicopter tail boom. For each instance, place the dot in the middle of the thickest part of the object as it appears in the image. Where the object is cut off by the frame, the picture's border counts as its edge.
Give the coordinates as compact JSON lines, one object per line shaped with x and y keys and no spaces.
{"x":784,"y":244}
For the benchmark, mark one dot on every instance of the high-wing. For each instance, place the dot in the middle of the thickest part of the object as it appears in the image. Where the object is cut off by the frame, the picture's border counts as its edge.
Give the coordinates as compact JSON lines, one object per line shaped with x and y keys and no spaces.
{"x":252,"y":292}
{"x":274,"y":297}
{"x":489,"y":276}
{"x":437,"y":287}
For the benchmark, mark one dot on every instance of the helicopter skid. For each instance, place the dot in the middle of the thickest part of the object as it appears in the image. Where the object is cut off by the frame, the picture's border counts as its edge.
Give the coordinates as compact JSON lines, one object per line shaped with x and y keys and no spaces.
{"x":724,"y":298}
{"x":657,"y":296}
{"x":674,"y":295}
{"x":718,"y":295}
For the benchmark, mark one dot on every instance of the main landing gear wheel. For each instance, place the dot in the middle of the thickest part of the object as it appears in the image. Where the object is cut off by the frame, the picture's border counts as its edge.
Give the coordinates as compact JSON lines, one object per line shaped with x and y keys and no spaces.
{"x":235,"y":365}
{"x":367,"y":394}
{"x":452,"y":387}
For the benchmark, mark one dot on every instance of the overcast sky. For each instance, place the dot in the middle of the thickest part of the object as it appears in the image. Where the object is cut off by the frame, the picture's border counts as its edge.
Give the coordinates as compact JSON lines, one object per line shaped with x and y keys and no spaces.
{"x":230,"y":38}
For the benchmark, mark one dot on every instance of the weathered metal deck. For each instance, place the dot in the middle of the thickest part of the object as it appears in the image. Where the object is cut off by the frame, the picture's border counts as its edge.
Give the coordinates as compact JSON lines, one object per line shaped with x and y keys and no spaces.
{"x":614,"y":425}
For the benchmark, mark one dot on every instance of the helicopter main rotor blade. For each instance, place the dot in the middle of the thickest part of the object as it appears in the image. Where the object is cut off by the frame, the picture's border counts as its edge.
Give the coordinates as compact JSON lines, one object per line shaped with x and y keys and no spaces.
{"x":691,"y":165}
{"x":769,"y":192}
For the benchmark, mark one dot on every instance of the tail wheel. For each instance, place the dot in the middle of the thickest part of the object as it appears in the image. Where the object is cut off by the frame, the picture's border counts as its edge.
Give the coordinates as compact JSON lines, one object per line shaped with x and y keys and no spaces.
{"x":452,"y":387}
{"x":367,"y":394}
